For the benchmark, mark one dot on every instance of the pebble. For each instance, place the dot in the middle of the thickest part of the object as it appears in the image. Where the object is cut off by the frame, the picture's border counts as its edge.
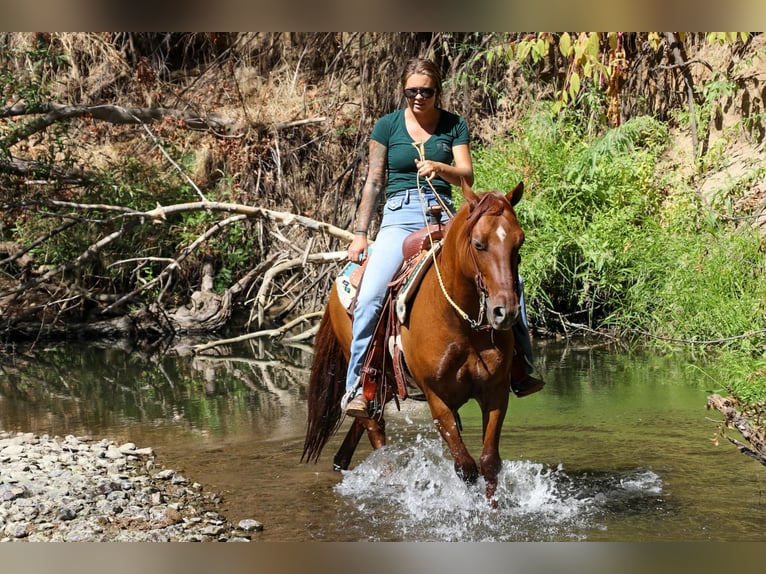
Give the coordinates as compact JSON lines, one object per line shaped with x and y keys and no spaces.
{"x":72,"y":489}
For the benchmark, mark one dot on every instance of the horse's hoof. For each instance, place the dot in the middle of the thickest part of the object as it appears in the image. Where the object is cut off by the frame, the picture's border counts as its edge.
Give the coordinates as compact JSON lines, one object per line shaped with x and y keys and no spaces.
{"x":469,"y":476}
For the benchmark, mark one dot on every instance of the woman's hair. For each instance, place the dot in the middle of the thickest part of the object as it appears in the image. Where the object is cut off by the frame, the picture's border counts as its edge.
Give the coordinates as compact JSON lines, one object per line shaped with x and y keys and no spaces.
{"x":427,"y":68}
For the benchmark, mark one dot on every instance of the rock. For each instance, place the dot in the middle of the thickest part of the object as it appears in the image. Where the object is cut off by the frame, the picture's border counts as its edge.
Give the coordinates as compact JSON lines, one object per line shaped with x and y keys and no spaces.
{"x":250,"y":525}
{"x":12,"y":450}
{"x":79,"y":489}
{"x":16,"y":530}
{"x":165,"y":474}
{"x":9,"y":492}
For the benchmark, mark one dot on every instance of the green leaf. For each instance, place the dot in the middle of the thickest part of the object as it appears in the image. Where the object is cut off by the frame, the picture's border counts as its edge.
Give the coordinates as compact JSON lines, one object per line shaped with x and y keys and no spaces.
{"x":574,"y":84}
{"x":541,"y":49}
{"x":565,"y":45}
{"x":591,"y":46}
{"x":523,"y":50}
{"x":612,"y":40}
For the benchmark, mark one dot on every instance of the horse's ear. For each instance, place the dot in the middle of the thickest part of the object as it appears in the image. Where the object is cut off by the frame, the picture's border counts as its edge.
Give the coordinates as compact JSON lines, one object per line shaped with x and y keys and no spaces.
{"x":514,"y":196}
{"x":470,"y":197}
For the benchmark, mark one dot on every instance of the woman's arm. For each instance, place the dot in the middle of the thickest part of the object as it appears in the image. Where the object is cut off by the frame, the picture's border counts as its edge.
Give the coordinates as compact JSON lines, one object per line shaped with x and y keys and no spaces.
{"x":462,"y":168}
{"x":373,"y":186}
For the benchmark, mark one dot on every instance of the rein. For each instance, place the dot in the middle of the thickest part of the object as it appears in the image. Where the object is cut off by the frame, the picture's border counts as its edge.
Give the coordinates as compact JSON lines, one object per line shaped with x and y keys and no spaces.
{"x":474,"y":324}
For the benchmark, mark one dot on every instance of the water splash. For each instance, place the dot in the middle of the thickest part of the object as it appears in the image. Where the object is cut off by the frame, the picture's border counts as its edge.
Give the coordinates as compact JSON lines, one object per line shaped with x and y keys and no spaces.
{"x":410,"y":492}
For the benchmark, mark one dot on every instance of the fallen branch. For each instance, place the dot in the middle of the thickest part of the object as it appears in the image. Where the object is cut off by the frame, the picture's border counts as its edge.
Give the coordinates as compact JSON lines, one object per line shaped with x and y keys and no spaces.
{"x":204,"y":311}
{"x":273,"y":333}
{"x":733,"y":418}
{"x":704,"y":342}
{"x":162,"y":212}
{"x":49,"y":113}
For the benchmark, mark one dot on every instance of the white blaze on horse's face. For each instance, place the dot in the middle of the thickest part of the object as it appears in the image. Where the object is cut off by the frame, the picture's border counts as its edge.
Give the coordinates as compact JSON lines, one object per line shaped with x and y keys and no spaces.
{"x":502,"y":234}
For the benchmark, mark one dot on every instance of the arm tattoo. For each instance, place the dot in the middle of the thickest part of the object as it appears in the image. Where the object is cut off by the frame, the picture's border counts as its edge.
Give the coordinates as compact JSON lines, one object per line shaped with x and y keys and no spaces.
{"x":376,"y":176}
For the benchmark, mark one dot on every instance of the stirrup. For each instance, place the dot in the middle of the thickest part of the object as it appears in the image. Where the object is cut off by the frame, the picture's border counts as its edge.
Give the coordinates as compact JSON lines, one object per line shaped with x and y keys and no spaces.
{"x":350,"y":394}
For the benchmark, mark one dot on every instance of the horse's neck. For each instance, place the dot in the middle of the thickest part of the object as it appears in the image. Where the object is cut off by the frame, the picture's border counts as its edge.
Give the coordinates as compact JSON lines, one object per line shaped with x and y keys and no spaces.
{"x":448,"y":275}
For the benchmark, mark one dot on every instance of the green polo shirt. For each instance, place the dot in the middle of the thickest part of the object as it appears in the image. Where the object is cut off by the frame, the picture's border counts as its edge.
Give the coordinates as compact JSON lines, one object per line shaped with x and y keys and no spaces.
{"x":391,"y":131}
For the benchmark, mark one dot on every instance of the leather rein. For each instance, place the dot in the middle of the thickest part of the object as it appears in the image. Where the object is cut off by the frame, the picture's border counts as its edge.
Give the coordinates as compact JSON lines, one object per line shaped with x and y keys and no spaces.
{"x":478,"y":324}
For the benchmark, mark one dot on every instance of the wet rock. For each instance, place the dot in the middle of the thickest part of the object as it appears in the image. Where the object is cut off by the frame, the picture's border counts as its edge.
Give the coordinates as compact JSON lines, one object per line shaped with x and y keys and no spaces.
{"x":250,"y":525}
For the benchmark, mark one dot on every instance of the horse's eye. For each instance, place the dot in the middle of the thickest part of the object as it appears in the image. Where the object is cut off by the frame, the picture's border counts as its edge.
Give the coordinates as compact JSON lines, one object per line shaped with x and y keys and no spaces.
{"x":479,"y":245}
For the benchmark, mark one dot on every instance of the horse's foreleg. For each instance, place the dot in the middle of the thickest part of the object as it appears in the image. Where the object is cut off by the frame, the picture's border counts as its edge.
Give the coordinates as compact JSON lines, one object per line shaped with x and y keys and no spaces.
{"x":490,"y":455}
{"x":376,"y":431}
{"x":343,"y":457}
{"x":446,"y":423}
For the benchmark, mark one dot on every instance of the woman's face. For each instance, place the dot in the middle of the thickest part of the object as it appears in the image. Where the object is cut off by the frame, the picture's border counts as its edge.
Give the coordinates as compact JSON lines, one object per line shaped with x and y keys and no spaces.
{"x":420,"y":92}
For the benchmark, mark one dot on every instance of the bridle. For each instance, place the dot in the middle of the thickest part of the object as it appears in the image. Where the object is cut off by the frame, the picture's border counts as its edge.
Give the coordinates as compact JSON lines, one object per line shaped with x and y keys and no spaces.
{"x":475,"y":324}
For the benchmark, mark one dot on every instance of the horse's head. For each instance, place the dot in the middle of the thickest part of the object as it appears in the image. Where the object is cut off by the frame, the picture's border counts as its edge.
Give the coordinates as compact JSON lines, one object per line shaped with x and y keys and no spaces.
{"x":493,"y":238}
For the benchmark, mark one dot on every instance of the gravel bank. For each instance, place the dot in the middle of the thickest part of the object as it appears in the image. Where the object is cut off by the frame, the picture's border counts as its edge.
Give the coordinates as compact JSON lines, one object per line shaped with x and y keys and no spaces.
{"x":81,"y":490}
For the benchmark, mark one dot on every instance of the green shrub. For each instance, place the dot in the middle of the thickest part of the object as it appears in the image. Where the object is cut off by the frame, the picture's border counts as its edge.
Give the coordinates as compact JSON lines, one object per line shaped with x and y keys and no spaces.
{"x":612,"y":244}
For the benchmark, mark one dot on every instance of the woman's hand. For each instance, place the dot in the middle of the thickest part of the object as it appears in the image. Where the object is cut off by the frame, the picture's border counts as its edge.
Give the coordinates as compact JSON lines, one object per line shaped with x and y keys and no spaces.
{"x":427,"y":168}
{"x":357,"y":251}
{"x":452,"y":174}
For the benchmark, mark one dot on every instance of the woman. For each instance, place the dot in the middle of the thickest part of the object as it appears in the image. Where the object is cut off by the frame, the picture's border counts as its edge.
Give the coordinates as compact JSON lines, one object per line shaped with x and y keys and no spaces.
{"x":396,"y":165}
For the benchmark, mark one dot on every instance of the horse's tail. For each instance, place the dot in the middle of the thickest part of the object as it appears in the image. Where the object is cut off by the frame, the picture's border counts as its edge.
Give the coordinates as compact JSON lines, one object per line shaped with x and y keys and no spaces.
{"x":326,"y":387}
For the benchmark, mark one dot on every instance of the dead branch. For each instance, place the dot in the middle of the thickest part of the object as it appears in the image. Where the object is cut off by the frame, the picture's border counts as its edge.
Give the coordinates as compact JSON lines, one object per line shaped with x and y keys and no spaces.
{"x":300,"y":262}
{"x":273,"y":333}
{"x":175,"y":165}
{"x":205,"y":312}
{"x":52,"y":113}
{"x":733,"y":418}
{"x":678,"y":58}
{"x":161,"y":213}
{"x":174,"y":264}
{"x":68,"y":266}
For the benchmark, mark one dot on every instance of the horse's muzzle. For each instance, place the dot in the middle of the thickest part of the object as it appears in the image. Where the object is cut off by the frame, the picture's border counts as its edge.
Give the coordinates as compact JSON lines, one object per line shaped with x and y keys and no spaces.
{"x":501,"y":318}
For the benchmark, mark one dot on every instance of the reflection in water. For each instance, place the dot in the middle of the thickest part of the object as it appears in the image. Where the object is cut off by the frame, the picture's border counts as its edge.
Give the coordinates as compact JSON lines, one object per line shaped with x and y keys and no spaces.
{"x":616,"y":447}
{"x":91,"y":390}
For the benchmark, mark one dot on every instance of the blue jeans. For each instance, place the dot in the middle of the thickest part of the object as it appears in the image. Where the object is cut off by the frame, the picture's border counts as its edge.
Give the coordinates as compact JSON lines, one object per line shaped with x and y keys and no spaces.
{"x":402,"y":215}
{"x":521,"y":329}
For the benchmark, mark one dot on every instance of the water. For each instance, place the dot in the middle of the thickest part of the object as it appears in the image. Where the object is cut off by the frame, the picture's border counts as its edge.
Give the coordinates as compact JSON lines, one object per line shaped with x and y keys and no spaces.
{"x":617,"y":447}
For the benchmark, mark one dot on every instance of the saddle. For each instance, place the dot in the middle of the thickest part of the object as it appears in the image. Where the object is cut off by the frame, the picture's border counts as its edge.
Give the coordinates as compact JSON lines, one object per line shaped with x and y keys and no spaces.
{"x":418,"y":250}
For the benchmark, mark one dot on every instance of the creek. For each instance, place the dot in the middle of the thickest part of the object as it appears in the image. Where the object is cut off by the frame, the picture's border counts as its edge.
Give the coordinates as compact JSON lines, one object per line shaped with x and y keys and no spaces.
{"x":617,"y":447}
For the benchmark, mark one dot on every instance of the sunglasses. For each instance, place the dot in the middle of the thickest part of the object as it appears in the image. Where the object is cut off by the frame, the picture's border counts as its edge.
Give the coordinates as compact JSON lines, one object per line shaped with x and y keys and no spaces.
{"x":427,"y":93}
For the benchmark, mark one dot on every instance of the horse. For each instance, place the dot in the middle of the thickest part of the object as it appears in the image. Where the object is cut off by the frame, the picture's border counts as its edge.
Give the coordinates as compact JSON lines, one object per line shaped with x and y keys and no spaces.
{"x":450,"y":356}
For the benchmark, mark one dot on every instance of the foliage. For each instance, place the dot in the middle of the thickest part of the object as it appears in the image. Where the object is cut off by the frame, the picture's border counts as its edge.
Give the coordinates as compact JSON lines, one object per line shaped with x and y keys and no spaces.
{"x":610,"y":245}
{"x":597,"y":59}
{"x":26,"y":72}
{"x":585,"y":202}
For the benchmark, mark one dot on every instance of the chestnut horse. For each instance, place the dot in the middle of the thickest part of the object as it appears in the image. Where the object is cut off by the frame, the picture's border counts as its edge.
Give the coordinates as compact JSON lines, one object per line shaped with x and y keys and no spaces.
{"x":451,"y":356}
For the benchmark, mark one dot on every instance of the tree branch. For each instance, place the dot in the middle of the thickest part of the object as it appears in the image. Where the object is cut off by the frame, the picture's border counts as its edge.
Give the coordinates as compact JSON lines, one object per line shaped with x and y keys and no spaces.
{"x":53,"y":112}
{"x":733,"y":418}
{"x":278,"y":332}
